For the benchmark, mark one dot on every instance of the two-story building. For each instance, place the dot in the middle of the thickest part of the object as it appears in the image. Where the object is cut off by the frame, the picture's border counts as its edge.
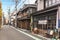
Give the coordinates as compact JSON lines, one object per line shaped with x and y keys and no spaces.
{"x":47,"y":16}
{"x":23,"y":19}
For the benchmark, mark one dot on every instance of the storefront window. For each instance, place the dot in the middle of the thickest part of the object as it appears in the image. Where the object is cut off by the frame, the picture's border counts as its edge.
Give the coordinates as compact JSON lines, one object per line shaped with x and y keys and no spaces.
{"x":51,"y":21}
{"x":40,"y":20}
{"x":35,"y":19}
{"x":51,"y":17}
{"x":35,"y":24}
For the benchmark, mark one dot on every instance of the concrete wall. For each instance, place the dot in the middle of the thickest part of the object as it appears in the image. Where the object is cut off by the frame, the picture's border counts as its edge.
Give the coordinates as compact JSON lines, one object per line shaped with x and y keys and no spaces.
{"x":40,"y":5}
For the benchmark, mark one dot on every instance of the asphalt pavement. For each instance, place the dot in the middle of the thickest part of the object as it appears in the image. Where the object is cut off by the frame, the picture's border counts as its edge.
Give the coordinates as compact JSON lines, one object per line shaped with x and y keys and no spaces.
{"x":9,"y":33}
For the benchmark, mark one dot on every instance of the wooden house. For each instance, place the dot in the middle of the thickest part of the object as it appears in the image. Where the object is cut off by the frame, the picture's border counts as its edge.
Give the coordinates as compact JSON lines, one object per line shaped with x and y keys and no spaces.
{"x":24,"y":16}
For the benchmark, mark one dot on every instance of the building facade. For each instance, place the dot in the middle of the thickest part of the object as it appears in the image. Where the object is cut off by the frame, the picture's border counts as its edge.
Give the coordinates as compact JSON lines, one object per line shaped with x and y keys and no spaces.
{"x":24,"y":19}
{"x":47,"y":16}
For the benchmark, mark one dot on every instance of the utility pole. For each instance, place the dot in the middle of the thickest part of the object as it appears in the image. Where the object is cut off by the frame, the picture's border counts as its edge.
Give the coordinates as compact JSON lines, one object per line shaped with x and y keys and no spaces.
{"x":16,"y":3}
{"x":9,"y":15}
{"x":2,"y":18}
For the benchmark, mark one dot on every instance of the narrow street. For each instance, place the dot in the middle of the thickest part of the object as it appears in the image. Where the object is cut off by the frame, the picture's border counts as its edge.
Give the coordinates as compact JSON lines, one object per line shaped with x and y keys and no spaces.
{"x":8,"y":33}
{"x":29,"y":19}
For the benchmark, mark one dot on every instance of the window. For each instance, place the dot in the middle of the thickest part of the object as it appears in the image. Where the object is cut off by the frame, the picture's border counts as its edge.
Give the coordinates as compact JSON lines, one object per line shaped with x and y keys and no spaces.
{"x":51,"y":2}
{"x":57,"y":0}
{"x":27,"y":11}
{"x":35,"y":19}
{"x":30,"y":10}
{"x":51,"y":17}
{"x":46,"y":3}
{"x":35,"y":23}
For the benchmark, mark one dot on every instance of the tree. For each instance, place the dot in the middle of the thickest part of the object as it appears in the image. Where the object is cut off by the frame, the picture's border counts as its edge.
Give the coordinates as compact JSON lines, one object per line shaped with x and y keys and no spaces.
{"x":0,"y":14}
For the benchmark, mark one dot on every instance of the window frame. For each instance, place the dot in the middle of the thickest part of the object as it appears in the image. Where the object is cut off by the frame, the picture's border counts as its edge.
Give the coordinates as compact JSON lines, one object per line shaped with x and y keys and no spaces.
{"x":49,"y":3}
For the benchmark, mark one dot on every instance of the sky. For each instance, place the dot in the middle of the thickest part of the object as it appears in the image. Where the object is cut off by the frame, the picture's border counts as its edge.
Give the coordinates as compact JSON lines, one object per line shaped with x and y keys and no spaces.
{"x":6,"y":4}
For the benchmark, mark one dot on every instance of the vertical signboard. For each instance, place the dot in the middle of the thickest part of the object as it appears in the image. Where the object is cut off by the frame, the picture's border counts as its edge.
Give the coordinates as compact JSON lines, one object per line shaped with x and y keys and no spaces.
{"x":58,"y":19}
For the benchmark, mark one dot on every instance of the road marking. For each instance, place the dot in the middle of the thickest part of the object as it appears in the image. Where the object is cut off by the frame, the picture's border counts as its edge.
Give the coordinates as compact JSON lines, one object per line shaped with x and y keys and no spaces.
{"x":26,"y":34}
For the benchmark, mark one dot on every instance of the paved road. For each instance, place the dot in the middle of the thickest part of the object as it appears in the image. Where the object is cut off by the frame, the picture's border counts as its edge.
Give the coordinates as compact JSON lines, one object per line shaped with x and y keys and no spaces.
{"x":8,"y":33}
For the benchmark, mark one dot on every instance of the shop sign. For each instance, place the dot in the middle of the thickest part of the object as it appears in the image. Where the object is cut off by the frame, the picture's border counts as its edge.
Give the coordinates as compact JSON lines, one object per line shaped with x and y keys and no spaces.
{"x":42,"y":22}
{"x":58,"y":19}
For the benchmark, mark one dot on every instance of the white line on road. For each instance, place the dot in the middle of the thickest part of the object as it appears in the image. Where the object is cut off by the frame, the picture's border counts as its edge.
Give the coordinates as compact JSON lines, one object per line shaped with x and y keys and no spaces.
{"x":26,"y":34}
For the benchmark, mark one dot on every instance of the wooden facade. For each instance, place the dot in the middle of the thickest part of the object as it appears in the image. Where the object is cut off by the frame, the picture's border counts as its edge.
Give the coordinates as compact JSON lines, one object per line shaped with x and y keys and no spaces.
{"x":24,"y":16}
{"x":24,"y":24}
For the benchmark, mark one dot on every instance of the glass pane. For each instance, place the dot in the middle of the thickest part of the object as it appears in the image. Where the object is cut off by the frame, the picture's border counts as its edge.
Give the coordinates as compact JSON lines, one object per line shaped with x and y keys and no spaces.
{"x":50,"y":2}
{"x":46,"y":3}
{"x":54,"y":1}
{"x":57,"y":0}
{"x":35,"y":24}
